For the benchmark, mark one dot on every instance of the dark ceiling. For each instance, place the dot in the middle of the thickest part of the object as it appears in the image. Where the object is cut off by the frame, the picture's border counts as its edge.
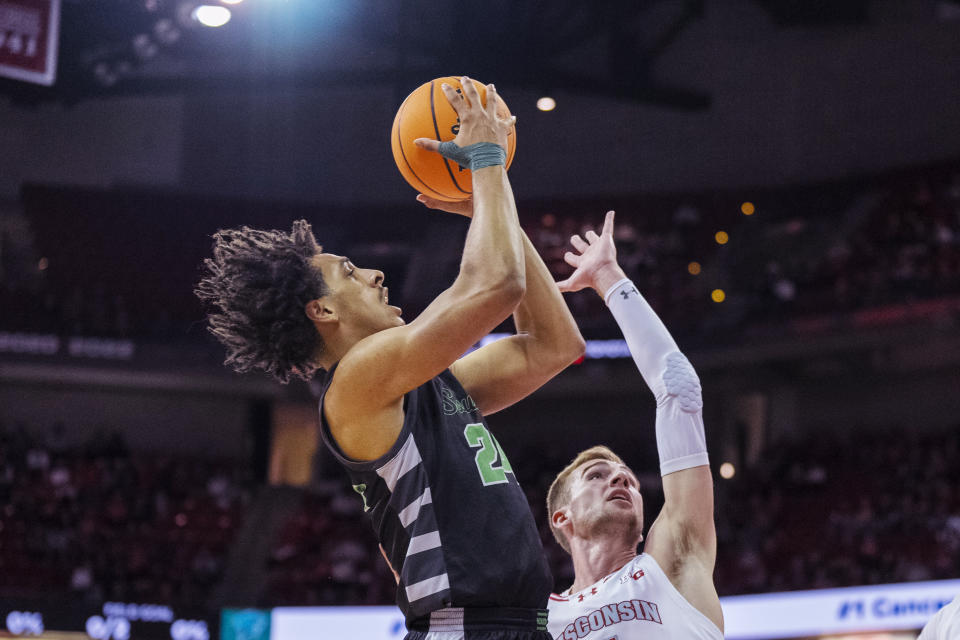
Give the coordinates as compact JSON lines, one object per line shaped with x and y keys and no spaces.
{"x":603,"y":47}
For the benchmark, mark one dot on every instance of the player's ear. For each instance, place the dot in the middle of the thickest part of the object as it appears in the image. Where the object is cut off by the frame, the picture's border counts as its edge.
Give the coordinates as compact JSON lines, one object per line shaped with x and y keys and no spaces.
{"x":321,"y":312}
{"x":560,"y":517}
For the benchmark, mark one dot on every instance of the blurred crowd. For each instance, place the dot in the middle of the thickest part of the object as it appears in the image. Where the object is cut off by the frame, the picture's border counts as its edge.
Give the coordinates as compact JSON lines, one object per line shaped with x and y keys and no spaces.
{"x":826,"y":511}
{"x":819,"y":249}
{"x":903,"y":249}
{"x":831,"y":512}
{"x":327,"y":554}
{"x":37,"y":307}
{"x":654,"y":250}
{"x":105,"y":524}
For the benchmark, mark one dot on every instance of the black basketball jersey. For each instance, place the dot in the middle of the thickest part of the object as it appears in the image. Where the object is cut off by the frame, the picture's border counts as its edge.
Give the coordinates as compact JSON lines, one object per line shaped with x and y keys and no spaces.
{"x":447,"y":509}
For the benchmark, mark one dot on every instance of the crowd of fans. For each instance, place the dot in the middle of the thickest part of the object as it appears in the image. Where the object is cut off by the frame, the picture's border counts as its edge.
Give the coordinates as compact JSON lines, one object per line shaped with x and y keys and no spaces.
{"x":102,"y":523}
{"x":36,"y":307}
{"x":814,"y":514}
{"x":654,"y":250}
{"x":903,"y":249}
{"x":782,"y":261}
{"x":325,"y":554}
{"x":878,"y":507}
{"x":804,"y":250}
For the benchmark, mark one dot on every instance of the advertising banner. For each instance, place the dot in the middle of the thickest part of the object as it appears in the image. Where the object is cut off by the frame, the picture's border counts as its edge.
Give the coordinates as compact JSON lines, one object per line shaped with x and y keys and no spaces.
{"x":29,"y":35}
{"x":320,"y":623}
{"x":882,"y":609}
{"x":71,"y":620}
{"x":801,"y":614}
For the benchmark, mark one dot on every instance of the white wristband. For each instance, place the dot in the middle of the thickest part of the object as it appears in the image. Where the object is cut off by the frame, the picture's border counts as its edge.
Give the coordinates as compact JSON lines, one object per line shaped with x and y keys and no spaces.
{"x":681,"y":441}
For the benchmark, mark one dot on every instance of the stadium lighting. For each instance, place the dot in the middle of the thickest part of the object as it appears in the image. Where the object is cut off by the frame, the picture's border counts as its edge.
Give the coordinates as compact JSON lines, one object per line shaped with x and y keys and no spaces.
{"x":727,"y":470}
{"x":144,"y":46}
{"x":211,"y":16}
{"x":166,"y":31}
{"x":546,"y":103}
{"x":105,"y":74}
{"x":231,"y":1}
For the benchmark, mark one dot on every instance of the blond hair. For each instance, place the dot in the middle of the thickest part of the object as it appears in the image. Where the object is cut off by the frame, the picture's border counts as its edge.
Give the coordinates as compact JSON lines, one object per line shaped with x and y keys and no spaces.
{"x":559,"y":494}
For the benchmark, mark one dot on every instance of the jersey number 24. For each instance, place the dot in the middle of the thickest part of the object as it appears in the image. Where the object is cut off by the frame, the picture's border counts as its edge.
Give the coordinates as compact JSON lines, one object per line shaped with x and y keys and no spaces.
{"x":487,"y":457}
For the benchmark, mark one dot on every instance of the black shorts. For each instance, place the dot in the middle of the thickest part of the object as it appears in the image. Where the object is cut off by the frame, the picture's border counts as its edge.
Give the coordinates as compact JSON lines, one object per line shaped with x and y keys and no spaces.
{"x":481,"y":624}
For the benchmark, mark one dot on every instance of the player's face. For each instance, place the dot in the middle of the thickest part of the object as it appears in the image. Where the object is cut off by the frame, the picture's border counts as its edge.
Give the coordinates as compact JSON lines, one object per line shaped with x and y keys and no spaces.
{"x":605,"y":501}
{"x":357,"y":295}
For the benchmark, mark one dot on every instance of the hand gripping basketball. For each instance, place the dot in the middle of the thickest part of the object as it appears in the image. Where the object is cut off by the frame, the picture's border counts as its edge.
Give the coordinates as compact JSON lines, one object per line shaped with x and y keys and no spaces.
{"x":429,"y":113}
{"x":482,"y":138}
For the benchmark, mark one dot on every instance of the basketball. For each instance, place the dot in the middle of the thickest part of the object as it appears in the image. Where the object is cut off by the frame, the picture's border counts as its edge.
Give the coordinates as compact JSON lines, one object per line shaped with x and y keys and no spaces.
{"x":426,"y":113}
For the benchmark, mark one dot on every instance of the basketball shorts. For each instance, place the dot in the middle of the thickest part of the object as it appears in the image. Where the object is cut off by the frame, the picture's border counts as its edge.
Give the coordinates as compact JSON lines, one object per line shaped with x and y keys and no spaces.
{"x":481,"y":624}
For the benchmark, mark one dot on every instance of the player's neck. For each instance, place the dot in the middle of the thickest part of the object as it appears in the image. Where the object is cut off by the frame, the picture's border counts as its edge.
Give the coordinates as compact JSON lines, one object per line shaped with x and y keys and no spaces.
{"x":597,"y":558}
{"x":329,"y":356}
{"x":336,"y":344}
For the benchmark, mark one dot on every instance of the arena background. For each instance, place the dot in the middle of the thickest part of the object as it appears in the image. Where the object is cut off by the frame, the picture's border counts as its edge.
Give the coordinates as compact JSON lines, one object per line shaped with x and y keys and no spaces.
{"x":148,"y":492}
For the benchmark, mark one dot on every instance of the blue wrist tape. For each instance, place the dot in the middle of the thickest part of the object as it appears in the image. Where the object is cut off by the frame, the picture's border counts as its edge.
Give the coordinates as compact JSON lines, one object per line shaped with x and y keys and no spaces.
{"x":474,"y":156}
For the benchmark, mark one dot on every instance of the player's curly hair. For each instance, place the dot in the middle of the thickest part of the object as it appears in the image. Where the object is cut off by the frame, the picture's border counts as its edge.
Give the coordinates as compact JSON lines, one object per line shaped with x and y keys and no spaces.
{"x":257,"y":285}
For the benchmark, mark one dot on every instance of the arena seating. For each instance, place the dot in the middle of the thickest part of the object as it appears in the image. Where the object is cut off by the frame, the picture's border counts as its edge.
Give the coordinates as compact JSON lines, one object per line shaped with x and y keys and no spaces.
{"x":106,"y":524}
{"x":830,"y":512}
{"x":811,"y":515}
{"x":325,"y":554}
{"x":111,"y":524}
{"x":808,"y":253}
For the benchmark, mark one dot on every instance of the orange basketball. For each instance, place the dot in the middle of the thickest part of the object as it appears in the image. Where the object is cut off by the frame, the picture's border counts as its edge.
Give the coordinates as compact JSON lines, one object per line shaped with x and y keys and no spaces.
{"x":426,"y":113}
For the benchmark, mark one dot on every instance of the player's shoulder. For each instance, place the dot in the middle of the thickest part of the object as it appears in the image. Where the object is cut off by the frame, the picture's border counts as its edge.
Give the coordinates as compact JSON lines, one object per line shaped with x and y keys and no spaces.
{"x":372,"y":352}
{"x":361,"y":372}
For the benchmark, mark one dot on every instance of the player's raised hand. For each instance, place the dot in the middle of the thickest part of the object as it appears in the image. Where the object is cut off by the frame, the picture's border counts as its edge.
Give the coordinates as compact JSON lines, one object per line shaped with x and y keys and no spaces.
{"x":478,"y":123}
{"x":595,"y":260}
{"x":460,"y":207}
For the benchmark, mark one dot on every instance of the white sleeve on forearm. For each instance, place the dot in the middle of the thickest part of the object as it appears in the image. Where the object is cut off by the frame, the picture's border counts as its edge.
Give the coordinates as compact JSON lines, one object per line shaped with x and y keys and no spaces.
{"x":681,"y":441}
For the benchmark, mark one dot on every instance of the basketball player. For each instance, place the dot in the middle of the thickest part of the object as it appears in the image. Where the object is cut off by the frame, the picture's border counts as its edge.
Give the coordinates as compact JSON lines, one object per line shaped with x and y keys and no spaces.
{"x":595,"y":507}
{"x":401,"y":409}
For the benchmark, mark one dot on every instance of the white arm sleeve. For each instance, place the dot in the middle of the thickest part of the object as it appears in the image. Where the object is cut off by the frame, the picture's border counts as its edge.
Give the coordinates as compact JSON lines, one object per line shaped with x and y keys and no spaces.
{"x":681,"y":441}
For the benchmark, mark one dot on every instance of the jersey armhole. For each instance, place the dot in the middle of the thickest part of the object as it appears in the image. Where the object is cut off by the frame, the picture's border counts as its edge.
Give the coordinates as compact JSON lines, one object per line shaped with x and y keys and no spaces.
{"x":409,"y":413}
{"x":677,"y":596}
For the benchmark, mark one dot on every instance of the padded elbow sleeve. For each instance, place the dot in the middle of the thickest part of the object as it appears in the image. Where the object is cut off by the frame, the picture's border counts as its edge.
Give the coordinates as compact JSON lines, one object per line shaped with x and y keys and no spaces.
{"x":681,"y":441}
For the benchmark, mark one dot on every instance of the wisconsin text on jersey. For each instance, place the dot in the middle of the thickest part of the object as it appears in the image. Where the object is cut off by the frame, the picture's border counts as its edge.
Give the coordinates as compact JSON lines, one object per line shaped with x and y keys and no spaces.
{"x":608,"y":614}
{"x":636,"y":602}
{"x":611,"y":614}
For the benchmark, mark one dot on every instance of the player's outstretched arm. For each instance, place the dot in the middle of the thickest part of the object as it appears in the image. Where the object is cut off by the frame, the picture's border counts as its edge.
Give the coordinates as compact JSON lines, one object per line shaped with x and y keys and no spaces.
{"x":380,"y":369}
{"x":683,"y":538}
{"x":547,"y":339}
